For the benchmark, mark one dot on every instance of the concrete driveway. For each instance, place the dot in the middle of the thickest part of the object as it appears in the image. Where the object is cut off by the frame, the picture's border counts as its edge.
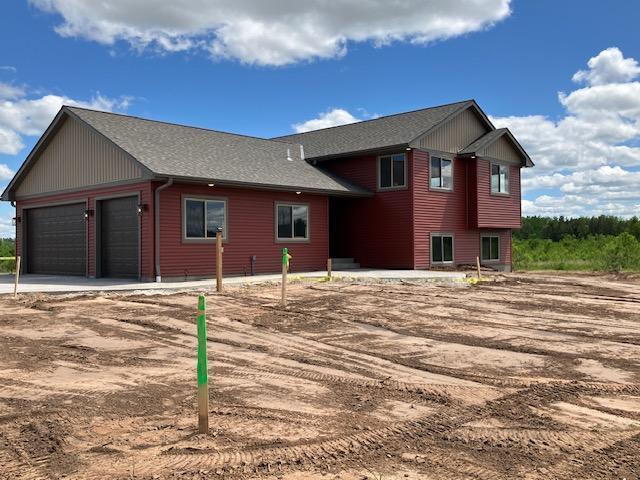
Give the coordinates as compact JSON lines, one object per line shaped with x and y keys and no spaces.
{"x":62,"y":284}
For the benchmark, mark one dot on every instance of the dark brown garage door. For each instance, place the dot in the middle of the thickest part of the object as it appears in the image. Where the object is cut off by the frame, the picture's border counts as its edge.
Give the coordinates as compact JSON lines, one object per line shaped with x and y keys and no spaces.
{"x":57,"y":240}
{"x":118,"y":237}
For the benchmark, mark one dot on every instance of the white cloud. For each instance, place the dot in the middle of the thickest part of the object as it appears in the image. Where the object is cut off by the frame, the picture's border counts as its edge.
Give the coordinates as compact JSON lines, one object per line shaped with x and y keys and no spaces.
{"x":330,"y":118}
{"x":5,"y":172}
{"x":609,"y":66}
{"x":590,"y":154}
{"x":8,"y":92}
{"x":23,"y":116}
{"x":8,"y":68}
{"x":7,"y":230}
{"x":275,"y":32}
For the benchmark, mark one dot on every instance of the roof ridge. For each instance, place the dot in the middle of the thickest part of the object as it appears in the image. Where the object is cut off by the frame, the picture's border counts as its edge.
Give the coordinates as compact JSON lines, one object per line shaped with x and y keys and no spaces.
{"x":117,"y":114}
{"x":461,"y":102}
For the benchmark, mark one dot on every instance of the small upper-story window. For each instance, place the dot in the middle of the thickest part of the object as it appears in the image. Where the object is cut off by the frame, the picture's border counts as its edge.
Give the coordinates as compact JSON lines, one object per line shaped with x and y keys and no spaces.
{"x":499,"y":178}
{"x":441,"y":174}
{"x":203,"y":217}
{"x":293,"y":222}
{"x":393,"y":171}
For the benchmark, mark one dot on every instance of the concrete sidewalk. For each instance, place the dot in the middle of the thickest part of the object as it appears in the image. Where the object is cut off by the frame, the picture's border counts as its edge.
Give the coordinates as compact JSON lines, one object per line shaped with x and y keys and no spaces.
{"x":61,"y":284}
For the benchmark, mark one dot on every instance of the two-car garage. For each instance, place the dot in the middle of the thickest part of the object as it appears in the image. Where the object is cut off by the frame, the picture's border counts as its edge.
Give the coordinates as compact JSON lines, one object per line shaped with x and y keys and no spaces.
{"x":57,"y":237}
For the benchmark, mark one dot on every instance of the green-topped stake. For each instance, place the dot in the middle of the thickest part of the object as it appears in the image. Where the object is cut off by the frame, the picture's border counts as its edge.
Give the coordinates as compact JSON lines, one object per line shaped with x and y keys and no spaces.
{"x":285,"y":268}
{"x":203,"y":380}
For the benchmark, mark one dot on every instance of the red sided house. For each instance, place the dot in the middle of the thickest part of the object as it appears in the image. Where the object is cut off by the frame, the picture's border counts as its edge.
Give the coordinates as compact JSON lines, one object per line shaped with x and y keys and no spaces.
{"x":108,"y":195}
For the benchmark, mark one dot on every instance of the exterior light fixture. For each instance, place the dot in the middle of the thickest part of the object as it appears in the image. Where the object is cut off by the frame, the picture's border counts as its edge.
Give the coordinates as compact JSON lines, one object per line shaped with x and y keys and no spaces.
{"x":408,"y":149}
{"x":14,"y":221}
{"x":141,"y":208}
{"x":211,"y":184}
{"x":87,"y":213}
{"x":298,"y":193}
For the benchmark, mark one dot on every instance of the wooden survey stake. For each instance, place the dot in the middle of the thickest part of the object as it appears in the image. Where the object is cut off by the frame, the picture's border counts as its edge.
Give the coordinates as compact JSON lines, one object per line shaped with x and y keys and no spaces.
{"x":203,"y":380}
{"x":285,"y":268}
{"x":329,"y":267}
{"x":478,"y":265}
{"x":15,"y":286}
{"x":219,"y":260}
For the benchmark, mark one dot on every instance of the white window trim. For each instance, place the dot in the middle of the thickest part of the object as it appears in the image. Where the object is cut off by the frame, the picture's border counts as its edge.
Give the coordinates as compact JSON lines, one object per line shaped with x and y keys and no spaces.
{"x":225,"y":227}
{"x":501,"y":165}
{"x":490,"y":260}
{"x":379,"y":176}
{"x":441,"y":189}
{"x":279,"y":239}
{"x":453,"y":248}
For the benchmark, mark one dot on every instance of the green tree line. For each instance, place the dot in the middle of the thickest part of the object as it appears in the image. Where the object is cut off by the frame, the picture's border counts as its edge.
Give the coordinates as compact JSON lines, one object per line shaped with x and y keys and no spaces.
{"x":7,"y":249}
{"x":556,"y":228}
{"x":605,"y":243}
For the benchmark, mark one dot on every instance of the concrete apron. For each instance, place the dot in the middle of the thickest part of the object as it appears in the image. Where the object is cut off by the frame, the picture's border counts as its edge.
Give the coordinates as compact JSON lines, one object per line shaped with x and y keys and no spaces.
{"x":62,"y":284}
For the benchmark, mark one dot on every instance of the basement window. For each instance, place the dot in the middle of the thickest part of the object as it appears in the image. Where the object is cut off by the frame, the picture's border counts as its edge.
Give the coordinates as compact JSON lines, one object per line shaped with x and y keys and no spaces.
{"x":292,"y":222}
{"x":203,"y":217}
{"x":441,"y":174}
{"x":499,"y":178}
{"x":392,"y":171}
{"x":442,"y":248}
{"x":490,"y":248}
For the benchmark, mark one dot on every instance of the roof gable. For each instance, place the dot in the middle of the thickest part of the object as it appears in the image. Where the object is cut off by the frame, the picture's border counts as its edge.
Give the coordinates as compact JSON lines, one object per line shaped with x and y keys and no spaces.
{"x":455,"y":133}
{"x":75,"y":157}
{"x":499,"y":144}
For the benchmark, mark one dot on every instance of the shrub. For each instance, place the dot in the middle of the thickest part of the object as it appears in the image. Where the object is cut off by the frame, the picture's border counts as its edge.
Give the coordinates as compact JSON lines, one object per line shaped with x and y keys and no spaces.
{"x":621,"y":253}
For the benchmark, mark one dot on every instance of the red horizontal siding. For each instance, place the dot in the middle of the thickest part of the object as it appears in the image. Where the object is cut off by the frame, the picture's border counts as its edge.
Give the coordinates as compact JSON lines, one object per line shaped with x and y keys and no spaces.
{"x":376,"y":231}
{"x":89,"y":196}
{"x":251,"y":231}
{"x":447,"y":212}
{"x":497,"y":211}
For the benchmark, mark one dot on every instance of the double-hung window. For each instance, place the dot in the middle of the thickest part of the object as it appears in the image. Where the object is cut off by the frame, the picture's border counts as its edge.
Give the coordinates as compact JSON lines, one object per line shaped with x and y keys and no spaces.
{"x":499,"y":178}
{"x":293,"y":222}
{"x":441,"y":248}
{"x":392,"y":171}
{"x":203,"y":217}
{"x":441,"y":173}
{"x":490,"y":248}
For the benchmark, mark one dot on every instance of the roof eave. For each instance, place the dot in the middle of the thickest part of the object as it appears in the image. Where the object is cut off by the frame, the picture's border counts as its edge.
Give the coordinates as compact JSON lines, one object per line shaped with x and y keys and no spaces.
{"x":368,"y":151}
{"x":361,"y":192}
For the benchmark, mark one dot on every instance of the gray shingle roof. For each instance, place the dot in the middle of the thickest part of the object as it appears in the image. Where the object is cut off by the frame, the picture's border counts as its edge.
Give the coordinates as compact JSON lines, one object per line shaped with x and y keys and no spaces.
{"x":393,"y":130}
{"x":170,"y":150}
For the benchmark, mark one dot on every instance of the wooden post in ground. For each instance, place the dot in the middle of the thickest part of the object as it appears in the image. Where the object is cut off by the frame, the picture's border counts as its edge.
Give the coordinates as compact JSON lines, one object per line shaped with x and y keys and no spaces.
{"x":15,"y":286}
{"x":478,"y":265}
{"x":203,"y":380}
{"x":285,"y":269}
{"x":219,"y":260}
{"x":329,"y":267}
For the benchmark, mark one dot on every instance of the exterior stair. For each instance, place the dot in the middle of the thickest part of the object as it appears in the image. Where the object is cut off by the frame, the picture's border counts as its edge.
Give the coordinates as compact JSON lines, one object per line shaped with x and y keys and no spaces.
{"x":344,"y":264}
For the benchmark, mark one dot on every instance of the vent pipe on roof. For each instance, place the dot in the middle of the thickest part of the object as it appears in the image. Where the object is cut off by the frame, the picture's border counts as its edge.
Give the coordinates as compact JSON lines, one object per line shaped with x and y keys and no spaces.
{"x":302,"y":152}
{"x":289,"y":155}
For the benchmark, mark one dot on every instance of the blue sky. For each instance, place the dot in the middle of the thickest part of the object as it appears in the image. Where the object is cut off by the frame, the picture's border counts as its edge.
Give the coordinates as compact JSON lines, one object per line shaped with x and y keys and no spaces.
{"x":262,"y":70}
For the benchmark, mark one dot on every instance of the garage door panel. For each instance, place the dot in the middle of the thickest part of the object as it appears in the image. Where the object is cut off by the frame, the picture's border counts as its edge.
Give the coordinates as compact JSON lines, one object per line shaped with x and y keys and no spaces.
{"x":119,"y":237}
{"x":57,"y":240}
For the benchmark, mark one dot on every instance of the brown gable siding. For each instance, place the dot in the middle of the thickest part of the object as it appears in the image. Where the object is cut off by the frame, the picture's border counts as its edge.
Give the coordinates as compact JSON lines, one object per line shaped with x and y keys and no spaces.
{"x":455,"y":134}
{"x":76,"y":157}
{"x":502,"y":149}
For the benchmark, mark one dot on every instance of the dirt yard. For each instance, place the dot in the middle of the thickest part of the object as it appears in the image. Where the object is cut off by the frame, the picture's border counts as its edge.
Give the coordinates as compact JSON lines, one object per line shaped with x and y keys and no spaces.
{"x":531,"y":376}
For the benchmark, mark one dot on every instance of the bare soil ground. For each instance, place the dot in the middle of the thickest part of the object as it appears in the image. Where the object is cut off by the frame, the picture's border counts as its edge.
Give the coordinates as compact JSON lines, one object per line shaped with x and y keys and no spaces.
{"x":527,"y":376}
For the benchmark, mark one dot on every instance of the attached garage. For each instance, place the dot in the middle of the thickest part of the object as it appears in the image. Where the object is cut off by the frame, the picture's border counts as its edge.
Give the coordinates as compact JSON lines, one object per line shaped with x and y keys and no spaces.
{"x":56,"y":240}
{"x":118,"y":237}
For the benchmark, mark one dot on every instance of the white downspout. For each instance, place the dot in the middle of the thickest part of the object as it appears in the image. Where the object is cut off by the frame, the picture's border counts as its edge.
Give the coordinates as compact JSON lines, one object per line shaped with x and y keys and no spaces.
{"x":157,"y":226}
